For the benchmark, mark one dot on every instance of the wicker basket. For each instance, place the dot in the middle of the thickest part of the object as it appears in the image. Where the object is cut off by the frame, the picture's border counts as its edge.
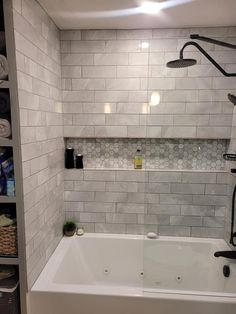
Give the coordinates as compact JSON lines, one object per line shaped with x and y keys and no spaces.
{"x":8,"y":240}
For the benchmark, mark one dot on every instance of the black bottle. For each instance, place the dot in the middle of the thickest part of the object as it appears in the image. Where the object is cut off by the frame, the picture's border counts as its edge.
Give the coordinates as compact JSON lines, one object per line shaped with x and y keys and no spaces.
{"x":79,"y":161}
{"x":69,"y":158}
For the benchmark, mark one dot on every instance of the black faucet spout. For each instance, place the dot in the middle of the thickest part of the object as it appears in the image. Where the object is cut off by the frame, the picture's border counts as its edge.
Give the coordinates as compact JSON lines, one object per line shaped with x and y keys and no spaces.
{"x":226,"y":254}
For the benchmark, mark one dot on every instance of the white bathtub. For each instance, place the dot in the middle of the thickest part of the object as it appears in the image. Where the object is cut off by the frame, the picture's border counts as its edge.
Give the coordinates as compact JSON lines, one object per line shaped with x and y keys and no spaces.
{"x":111,"y":274}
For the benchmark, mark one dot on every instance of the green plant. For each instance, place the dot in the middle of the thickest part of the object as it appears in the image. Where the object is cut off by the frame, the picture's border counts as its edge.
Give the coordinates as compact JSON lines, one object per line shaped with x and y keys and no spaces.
{"x":69,"y":226}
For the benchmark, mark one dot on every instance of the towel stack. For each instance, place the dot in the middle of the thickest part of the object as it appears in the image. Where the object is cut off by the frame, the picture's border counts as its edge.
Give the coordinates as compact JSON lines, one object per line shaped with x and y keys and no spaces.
{"x":5,"y":117}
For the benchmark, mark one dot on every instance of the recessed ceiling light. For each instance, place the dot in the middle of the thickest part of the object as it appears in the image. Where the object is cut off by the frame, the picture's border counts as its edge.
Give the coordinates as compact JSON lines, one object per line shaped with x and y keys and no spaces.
{"x":150,"y":7}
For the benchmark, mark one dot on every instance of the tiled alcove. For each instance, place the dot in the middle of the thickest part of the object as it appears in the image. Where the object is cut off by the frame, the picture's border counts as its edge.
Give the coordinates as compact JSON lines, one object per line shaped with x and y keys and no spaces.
{"x":157,"y":153}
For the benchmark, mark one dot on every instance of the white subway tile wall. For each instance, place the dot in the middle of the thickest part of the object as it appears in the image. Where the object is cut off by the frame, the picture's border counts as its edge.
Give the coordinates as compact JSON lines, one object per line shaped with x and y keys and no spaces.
{"x":98,"y":83}
{"x":108,"y":80}
{"x":41,"y":126}
{"x":179,"y":203}
{"x":157,"y":153}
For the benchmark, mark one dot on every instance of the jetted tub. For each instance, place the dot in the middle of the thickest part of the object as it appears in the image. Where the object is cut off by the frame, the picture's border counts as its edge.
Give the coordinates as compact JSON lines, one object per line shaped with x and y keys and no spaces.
{"x":114,"y":274}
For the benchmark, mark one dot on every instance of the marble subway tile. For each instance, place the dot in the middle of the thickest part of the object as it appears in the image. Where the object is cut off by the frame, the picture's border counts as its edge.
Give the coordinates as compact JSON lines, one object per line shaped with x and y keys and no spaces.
{"x":141,"y":229}
{"x":203,"y":232}
{"x":87,"y":46}
{"x":216,"y":189}
{"x":198,"y":177}
{"x":99,"y":71}
{"x":111,"y":131}
{"x":70,"y":35}
{"x":111,"y":59}
{"x":163,"y":209}
{"x":131,"y":208}
{"x":164,"y":176}
{"x":189,"y":221}
{"x":195,"y":210}
{"x":134,"y":34}
{"x":99,"y":207}
{"x":110,"y":228}
{"x":79,"y":196}
{"x":92,"y":217}
{"x":214,"y":222}
{"x":178,"y":231}
{"x":110,"y":197}
{"x":182,"y":188}
{"x":121,"y":218}
{"x":99,"y":34}
{"x":179,"y":199}
{"x":89,"y":186}
{"x":77,"y":59}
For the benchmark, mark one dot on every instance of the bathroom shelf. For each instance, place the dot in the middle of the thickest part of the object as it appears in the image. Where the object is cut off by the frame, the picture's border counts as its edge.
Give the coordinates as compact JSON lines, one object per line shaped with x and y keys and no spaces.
{"x":147,"y":170}
{"x":9,"y":261}
{"x":15,"y":144}
{"x":7,"y":199}
{"x":6,"y":142}
{"x":4,"y":84}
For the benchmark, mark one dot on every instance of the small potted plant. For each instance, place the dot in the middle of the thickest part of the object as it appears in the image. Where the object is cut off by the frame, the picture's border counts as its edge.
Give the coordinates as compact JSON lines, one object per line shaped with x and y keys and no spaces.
{"x":69,"y":228}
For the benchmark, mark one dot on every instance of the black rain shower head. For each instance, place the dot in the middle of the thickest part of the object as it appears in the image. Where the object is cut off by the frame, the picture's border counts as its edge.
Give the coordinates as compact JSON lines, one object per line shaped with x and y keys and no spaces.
{"x":232,"y":98}
{"x":181,"y":63}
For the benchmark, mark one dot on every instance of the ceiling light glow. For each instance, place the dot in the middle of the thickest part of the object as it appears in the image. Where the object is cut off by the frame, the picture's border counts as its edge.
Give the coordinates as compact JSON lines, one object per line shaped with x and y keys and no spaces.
{"x":150,"y":7}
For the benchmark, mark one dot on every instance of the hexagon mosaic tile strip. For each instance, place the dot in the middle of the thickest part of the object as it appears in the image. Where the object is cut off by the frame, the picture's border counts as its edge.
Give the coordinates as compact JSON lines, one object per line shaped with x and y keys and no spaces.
{"x":157,"y":153}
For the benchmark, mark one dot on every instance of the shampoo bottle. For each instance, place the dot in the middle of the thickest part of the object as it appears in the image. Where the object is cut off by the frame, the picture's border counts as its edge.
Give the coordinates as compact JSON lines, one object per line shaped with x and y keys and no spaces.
{"x":138,"y":160}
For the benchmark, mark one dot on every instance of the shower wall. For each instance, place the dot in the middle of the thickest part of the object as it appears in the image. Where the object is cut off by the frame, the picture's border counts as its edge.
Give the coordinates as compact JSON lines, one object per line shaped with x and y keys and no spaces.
{"x":39,"y":91}
{"x":174,"y":203}
{"x":109,"y":77}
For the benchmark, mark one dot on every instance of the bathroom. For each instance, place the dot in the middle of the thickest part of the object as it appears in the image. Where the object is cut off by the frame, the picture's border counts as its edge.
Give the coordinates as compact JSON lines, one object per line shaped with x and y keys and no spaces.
{"x":101,"y":130}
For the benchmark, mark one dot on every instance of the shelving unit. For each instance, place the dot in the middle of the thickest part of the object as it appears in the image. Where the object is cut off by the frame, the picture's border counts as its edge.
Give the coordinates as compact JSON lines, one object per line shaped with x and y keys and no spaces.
{"x":6,"y":142}
{"x":7,"y":199}
{"x":9,"y":260}
{"x":4,"y":84}
{"x":11,"y":85}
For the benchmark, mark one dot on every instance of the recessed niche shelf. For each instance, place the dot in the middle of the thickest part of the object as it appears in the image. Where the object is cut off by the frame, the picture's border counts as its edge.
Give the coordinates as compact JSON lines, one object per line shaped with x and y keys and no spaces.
{"x":146,"y":169}
{"x":157,"y":153}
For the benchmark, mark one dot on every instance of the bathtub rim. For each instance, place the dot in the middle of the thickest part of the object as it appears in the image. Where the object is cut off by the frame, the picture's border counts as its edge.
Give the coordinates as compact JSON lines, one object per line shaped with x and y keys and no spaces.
{"x":41,"y":285}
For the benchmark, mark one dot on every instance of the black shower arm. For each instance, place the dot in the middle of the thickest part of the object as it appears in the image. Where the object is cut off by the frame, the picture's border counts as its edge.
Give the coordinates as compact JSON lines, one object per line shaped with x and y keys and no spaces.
{"x":192,"y":43}
{"x":212,"y":41}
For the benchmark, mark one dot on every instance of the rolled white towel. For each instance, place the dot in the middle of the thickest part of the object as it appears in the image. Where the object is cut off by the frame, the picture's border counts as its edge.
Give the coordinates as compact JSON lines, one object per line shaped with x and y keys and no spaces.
{"x":5,"y":128}
{"x":3,"y":68}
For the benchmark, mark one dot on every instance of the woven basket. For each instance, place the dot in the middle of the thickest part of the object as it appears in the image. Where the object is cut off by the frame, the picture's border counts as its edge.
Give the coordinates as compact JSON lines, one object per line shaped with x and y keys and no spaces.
{"x":8,"y":240}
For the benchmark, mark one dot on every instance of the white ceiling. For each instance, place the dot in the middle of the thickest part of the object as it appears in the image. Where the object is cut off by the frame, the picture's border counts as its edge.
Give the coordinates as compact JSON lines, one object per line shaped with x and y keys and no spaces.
{"x":125,"y":14}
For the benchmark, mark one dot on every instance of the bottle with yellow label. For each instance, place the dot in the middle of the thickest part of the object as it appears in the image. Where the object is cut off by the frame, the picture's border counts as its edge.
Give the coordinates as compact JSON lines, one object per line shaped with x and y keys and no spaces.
{"x":138,"y":160}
